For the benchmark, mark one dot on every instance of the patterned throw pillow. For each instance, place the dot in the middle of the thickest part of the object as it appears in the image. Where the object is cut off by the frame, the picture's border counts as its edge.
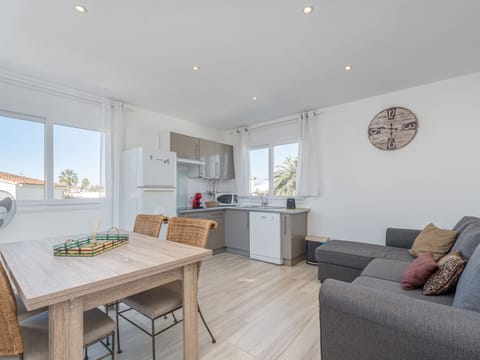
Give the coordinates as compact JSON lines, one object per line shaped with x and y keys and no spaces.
{"x":449,"y":269}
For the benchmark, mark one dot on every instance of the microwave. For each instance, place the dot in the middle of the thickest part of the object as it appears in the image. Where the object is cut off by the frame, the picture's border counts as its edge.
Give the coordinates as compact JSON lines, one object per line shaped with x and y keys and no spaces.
{"x":227,"y":199}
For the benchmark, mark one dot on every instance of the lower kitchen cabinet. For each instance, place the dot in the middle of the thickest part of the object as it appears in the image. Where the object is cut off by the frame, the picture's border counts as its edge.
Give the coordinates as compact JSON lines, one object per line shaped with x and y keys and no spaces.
{"x":237,"y":239}
{"x":233,"y":233}
{"x":216,"y":239}
{"x":294,"y":231}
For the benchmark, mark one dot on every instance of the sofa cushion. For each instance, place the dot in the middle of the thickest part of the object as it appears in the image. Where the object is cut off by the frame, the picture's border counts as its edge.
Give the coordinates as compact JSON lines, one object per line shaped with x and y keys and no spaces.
{"x":464,"y":222}
{"x":385,"y":269}
{"x":450,"y":268}
{"x":418,"y":272}
{"x":395,"y":288}
{"x":467,"y":295}
{"x":395,"y":253}
{"x":468,"y":239}
{"x":433,"y":240}
{"x":357,"y":255}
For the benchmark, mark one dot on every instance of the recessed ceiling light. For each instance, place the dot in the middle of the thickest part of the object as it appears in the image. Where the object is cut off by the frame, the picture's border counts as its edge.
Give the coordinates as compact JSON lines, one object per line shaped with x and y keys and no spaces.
{"x":348,"y":67}
{"x":254,"y":98}
{"x":81,"y":9}
{"x":308,"y":9}
{"x":195,"y":68}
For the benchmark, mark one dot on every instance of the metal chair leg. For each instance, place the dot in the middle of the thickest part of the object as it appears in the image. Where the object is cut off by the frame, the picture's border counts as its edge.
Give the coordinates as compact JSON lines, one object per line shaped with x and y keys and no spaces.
{"x":119,"y":351}
{"x":112,"y":353}
{"x":85,"y":356}
{"x":205,"y":323}
{"x":174,"y":317}
{"x":153,"y":340}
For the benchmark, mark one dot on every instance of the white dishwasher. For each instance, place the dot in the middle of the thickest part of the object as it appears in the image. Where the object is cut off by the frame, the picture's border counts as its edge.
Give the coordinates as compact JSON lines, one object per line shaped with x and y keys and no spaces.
{"x":265,"y":237}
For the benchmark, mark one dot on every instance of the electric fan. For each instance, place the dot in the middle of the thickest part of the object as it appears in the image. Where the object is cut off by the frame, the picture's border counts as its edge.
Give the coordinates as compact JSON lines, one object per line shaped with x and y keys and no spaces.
{"x":8,"y":208}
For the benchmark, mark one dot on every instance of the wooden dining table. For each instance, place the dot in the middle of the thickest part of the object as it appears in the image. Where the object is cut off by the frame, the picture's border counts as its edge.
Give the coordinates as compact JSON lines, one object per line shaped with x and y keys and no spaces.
{"x":68,"y":286}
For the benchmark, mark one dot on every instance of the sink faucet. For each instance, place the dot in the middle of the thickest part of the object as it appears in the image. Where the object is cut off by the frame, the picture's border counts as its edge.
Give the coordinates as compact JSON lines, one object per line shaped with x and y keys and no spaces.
{"x":264,"y":200}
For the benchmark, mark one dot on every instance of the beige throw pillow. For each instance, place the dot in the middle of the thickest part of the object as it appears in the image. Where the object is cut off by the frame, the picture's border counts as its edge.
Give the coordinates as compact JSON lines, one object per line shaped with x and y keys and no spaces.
{"x":433,"y":240}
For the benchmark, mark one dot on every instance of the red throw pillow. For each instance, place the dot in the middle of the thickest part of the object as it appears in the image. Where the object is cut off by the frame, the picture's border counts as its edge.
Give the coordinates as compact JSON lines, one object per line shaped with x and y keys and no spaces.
{"x":418,"y":272}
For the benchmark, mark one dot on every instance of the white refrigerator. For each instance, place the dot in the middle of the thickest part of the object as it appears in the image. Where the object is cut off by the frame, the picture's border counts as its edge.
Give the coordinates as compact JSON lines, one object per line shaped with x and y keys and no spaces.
{"x":149,"y":184}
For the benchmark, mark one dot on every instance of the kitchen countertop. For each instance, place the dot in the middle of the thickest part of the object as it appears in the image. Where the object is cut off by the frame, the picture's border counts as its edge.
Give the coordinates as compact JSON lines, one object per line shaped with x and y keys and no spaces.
{"x":273,"y":209}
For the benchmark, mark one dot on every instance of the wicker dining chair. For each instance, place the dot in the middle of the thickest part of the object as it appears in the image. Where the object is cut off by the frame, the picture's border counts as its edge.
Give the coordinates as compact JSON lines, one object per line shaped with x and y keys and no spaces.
{"x":145,"y":224}
{"x":29,"y":338}
{"x":149,"y":225}
{"x":166,"y":299}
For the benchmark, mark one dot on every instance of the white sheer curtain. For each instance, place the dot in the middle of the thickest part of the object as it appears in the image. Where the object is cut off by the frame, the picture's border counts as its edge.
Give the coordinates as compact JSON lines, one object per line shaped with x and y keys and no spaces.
{"x":112,"y":119}
{"x":308,"y":170}
{"x":242,"y":160}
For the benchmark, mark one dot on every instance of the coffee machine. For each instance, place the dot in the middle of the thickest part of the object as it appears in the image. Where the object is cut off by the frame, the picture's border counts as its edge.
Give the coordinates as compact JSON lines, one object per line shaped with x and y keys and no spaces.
{"x":197,"y":201}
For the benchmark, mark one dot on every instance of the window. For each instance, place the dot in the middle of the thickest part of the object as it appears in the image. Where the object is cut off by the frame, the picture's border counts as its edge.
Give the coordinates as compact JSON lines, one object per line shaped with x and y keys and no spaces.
{"x":44,"y":161}
{"x":274,"y":167}
{"x":285,"y":158}
{"x":22,"y":158}
{"x":259,"y":171}
{"x":77,"y":165}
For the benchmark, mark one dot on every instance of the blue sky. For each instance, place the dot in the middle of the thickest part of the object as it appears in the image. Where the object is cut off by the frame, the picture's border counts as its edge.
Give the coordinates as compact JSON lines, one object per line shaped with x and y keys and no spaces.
{"x":22,"y":149}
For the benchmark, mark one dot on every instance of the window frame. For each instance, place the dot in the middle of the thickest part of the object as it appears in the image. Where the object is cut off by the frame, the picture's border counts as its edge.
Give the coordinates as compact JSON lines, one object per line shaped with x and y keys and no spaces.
{"x":271,"y":171}
{"x":48,"y":166}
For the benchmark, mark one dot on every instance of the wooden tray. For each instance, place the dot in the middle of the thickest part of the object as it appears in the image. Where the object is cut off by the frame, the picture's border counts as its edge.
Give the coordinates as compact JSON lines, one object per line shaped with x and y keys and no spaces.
{"x":92,"y":245}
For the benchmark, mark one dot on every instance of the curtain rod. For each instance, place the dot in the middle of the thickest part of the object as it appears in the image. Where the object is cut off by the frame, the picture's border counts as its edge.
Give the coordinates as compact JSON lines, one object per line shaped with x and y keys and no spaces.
{"x":284,"y":121}
{"x":274,"y":124}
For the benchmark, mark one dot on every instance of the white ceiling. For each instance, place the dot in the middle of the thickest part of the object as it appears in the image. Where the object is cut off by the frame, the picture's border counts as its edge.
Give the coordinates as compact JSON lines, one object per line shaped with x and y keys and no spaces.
{"x":142,"y":51}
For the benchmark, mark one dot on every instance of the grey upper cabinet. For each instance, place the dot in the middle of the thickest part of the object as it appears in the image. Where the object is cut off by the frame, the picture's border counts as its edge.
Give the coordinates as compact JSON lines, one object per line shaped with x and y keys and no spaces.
{"x":237,"y":237}
{"x":227,"y":170}
{"x":218,"y":157}
{"x":210,"y":153}
{"x":187,"y":147}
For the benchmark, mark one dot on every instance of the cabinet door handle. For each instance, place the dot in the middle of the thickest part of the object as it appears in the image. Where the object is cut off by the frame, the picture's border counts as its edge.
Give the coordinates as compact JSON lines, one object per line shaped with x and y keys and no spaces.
{"x":285,"y":225}
{"x":248,"y":222}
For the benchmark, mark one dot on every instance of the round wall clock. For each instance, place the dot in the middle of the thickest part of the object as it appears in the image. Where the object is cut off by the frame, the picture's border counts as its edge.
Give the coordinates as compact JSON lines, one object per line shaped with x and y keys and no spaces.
{"x":393,"y":128}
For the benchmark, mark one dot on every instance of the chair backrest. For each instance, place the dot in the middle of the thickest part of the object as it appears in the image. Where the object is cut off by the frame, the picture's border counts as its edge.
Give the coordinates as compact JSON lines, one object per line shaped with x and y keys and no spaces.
{"x":190,"y":231}
{"x":149,"y":225}
{"x":11,"y":340}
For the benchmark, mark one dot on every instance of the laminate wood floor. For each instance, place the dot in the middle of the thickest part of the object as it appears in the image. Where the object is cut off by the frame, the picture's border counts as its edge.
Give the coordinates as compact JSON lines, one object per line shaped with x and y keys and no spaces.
{"x":256,"y":311}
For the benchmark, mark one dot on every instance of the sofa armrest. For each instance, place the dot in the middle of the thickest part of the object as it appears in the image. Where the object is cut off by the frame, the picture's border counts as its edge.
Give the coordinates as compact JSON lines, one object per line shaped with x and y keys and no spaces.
{"x":358,"y":322}
{"x":402,"y":238}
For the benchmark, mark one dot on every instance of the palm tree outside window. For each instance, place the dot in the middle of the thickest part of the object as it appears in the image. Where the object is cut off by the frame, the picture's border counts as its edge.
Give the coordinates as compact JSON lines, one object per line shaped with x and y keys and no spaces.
{"x":273,"y":170}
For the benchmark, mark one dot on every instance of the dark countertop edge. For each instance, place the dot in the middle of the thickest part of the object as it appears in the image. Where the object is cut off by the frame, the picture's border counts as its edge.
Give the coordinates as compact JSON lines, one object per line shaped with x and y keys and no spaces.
{"x":242,"y":208}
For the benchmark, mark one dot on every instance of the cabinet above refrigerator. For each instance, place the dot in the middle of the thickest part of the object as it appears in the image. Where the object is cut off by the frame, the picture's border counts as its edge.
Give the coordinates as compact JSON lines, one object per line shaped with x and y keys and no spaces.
{"x":208,"y":159}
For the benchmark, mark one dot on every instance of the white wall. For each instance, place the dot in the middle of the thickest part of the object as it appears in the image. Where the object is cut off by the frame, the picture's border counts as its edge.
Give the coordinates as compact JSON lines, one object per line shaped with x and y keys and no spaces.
{"x":145,"y":128}
{"x":40,"y":99}
{"x":434,"y":179}
{"x":152,"y":130}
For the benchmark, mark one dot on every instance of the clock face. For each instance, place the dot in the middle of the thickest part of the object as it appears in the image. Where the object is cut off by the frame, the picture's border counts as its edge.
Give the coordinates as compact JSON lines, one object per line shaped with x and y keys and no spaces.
{"x":393,"y":128}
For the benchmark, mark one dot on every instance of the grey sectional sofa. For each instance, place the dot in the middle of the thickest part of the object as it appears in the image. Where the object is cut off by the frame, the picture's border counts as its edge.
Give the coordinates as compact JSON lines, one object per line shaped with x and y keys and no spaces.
{"x":373,"y":318}
{"x":345,"y":260}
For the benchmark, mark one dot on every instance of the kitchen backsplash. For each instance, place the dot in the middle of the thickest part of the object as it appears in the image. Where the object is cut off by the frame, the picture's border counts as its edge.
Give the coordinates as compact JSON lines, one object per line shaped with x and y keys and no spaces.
{"x":187,"y":187}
